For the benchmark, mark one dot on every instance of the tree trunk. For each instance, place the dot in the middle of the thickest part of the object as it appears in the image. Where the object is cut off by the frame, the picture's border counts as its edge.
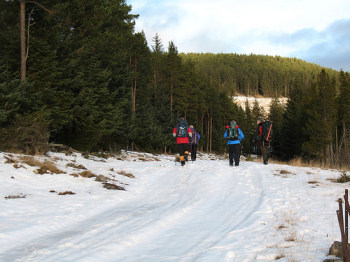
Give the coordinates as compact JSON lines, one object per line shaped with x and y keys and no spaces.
{"x":211,"y":133}
{"x":155,"y":82}
{"x":171,"y":93}
{"x":202,"y":129}
{"x":208,"y":131}
{"x":23,"y":39}
{"x":133,"y":68}
{"x":134,"y":97}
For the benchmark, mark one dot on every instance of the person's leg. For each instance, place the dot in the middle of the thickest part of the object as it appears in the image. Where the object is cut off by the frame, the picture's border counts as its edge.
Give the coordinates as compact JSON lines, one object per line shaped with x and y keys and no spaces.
{"x":194,"y":152}
{"x":186,"y":152}
{"x":230,"y":154}
{"x":181,"y":150}
{"x":264,"y":154}
{"x":237,"y":153}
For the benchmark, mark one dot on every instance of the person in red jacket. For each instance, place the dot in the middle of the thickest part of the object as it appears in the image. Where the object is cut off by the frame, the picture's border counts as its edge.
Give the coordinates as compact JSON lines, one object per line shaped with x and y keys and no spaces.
{"x":182,"y":133}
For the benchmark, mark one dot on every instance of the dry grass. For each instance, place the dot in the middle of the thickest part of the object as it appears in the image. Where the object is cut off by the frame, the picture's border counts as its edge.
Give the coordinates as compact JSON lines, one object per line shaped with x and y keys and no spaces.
{"x":44,"y":167}
{"x":76,"y":166}
{"x":291,"y":238}
{"x":124,"y":173}
{"x":342,"y":179}
{"x":10,"y":160}
{"x":87,"y":174}
{"x":283,"y":173}
{"x":280,"y":227}
{"x":280,"y":256}
{"x":112,"y":186}
{"x":15,"y":196}
{"x":316,"y":163}
{"x":286,"y":172}
{"x":66,"y":193}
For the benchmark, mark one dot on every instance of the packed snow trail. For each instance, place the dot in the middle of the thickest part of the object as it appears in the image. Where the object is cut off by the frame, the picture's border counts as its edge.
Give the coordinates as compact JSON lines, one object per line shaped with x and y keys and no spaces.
{"x":204,"y":211}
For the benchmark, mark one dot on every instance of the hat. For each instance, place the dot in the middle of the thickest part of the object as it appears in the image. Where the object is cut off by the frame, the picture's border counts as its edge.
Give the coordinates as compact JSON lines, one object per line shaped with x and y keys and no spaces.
{"x":191,"y":126}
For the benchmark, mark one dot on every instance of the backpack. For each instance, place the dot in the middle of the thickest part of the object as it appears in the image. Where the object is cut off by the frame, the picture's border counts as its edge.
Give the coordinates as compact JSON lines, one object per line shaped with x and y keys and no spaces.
{"x":267,"y":131}
{"x":182,"y":129}
{"x":194,"y":137}
{"x":233,"y":132}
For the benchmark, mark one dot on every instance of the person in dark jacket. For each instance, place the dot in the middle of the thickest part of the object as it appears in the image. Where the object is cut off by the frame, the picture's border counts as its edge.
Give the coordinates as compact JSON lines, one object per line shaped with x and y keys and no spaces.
{"x":182,"y":134}
{"x":260,"y":141}
{"x":194,"y":143}
{"x":234,"y":135}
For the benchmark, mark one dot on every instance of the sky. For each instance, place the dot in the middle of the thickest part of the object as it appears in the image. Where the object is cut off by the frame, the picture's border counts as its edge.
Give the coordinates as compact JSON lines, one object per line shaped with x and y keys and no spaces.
{"x":204,"y":211}
{"x":317,"y":31}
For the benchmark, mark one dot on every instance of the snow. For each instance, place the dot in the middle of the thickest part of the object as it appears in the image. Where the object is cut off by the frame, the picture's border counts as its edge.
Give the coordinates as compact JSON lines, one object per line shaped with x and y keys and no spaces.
{"x":263,"y":102}
{"x":204,"y":211}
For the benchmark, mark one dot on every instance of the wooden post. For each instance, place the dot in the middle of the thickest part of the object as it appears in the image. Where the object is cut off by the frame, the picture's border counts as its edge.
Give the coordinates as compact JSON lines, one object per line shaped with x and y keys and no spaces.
{"x":344,"y":240}
{"x":346,"y":215}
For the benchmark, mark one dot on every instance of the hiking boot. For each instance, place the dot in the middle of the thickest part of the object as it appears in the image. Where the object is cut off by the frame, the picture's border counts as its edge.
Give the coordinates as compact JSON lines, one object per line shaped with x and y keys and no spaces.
{"x":182,"y":163}
{"x":231,"y":164}
{"x":265,"y":162}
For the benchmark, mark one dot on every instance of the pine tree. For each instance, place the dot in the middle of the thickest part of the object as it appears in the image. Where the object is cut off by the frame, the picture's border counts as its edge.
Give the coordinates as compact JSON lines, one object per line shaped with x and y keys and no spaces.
{"x":276,"y":116}
{"x":321,"y":119}
{"x":292,"y":130}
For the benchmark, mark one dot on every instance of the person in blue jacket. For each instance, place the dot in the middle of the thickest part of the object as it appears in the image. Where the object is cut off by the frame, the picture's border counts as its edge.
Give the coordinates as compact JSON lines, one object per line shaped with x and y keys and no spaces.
{"x":234,"y":135}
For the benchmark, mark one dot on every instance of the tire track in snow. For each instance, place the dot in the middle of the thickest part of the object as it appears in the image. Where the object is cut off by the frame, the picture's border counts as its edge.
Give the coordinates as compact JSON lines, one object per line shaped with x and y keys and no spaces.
{"x":127,"y":227}
{"x":195,"y":195}
{"x":232,"y":222}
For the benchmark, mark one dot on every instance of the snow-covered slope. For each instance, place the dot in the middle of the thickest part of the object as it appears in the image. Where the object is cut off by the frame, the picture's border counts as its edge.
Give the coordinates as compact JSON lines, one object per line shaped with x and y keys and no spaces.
{"x":204,"y":211}
{"x":263,"y":102}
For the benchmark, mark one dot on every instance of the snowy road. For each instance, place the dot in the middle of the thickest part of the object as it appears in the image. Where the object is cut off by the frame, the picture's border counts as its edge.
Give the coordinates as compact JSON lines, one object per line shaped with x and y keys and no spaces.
{"x":205,"y":211}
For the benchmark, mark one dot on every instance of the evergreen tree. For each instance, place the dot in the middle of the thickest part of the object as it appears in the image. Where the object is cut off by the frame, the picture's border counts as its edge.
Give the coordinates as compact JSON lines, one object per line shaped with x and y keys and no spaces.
{"x":321,"y":118}
{"x":276,"y":116}
{"x":292,"y":131}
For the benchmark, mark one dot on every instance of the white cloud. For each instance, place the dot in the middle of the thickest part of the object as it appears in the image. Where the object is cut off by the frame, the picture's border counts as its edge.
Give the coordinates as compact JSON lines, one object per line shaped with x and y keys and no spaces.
{"x":273,"y":27}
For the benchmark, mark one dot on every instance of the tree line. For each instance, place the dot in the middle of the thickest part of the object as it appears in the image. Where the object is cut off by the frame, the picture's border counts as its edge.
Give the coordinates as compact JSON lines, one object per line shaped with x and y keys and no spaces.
{"x":92,"y":83}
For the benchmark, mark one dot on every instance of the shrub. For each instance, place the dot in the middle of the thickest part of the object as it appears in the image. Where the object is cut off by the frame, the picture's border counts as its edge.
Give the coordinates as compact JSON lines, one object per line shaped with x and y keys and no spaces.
{"x":25,"y":135}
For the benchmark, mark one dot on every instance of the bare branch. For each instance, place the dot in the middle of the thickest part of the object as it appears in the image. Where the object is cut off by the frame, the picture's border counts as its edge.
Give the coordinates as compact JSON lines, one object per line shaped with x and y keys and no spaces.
{"x":40,"y":5}
{"x":28,"y":26}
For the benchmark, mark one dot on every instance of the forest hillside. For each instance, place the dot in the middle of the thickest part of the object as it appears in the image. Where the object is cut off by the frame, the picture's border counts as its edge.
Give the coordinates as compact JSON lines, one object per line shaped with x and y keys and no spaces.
{"x":253,"y":74}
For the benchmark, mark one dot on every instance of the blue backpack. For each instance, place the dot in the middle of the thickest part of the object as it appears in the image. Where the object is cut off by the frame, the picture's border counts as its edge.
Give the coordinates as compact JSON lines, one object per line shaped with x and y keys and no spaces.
{"x":182,"y":129}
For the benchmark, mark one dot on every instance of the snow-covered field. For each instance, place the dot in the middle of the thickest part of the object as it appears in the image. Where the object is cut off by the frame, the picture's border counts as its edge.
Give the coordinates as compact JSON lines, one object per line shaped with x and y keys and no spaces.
{"x":204,"y":211}
{"x":263,"y":102}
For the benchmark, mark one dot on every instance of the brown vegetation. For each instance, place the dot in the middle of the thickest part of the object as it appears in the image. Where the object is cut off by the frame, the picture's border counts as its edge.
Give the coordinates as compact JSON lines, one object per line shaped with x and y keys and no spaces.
{"x":44,"y":167}
{"x":124,"y":173}
{"x":76,"y":166}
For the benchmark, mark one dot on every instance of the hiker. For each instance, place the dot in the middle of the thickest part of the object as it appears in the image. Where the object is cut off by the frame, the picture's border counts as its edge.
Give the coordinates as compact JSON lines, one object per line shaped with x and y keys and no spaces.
{"x":182,"y":134}
{"x":263,"y":138}
{"x":194,"y":143}
{"x":234,"y":135}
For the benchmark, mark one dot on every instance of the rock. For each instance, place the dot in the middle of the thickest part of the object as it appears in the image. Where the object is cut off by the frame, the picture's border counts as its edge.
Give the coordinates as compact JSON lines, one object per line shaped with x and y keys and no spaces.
{"x":337,"y":251}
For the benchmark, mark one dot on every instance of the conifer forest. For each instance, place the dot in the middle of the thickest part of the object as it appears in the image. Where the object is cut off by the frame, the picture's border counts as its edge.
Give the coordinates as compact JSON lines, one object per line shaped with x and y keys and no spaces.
{"x":76,"y":73}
